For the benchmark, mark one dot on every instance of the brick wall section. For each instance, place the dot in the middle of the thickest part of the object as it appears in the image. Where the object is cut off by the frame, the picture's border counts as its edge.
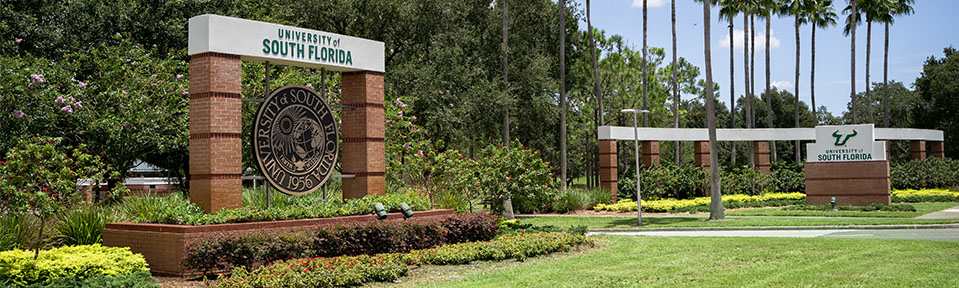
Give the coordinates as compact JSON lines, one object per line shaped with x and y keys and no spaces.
{"x":608,"y":167}
{"x":164,"y":245}
{"x":650,"y":153}
{"x":938,"y":149}
{"x":852,"y":183}
{"x":761,"y":156}
{"x":215,"y":127}
{"x":701,"y":154}
{"x":917,"y":149}
{"x":363,"y":131}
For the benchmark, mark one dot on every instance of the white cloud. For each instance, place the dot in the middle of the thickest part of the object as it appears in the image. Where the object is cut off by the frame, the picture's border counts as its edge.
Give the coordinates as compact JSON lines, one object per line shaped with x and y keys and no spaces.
{"x":782,"y":85}
{"x":649,"y":3}
{"x":760,"y":40}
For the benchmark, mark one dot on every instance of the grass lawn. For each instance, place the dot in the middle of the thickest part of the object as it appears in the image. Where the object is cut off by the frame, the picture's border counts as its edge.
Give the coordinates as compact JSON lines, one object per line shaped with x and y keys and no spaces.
{"x":921,"y":208}
{"x":631,"y":261}
{"x":651,"y":222}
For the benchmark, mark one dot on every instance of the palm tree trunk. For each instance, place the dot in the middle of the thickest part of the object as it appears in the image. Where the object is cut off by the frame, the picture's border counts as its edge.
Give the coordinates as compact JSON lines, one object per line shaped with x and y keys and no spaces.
{"x":732,"y":86}
{"x":769,"y":101}
{"x":852,"y":66}
{"x":885,"y":80}
{"x":645,"y":67}
{"x":562,"y":90}
{"x":507,"y":202}
{"x":812,"y":75}
{"x":751,"y":90}
{"x":592,"y":50}
{"x":869,"y":115}
{"x":676,"y":144}
{"x":796,"y":90}
{"x":716,"y":200}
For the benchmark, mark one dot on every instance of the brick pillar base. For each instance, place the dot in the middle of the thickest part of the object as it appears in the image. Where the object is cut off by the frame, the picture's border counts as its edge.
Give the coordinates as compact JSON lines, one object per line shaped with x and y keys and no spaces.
{"x":857,"y":183}
{"x":215,"y":127}
{"x":608,"y":167}
{"x":917,"y":149}
{"x":761,"y":156}
{"x":363,"y":130}
{"x":938,"y":149}
{"x":650,"y":153}
{"x":701,"y":154}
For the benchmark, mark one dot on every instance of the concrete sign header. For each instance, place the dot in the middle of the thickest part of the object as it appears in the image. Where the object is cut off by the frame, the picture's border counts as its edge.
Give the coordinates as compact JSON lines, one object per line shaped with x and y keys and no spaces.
{"x":845,"y":143}
{"x":285,"y":45}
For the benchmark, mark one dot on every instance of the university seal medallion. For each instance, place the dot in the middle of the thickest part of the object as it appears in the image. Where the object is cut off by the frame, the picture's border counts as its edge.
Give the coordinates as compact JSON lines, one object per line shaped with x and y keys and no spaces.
{"x":295,"y":140}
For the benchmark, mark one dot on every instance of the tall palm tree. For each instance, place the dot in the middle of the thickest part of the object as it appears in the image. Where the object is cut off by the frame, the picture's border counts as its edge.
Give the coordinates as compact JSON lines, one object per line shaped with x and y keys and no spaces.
{"x":716,"y":197}
{"x":729,"y":10}
{"x":797,"y":9}
{"x":592,"y":50}
{"x":890,"y":9}
{"x":562,"y":90}
{"x":750,"y":6}
{"x":645,"y":67}
{"x":675,"y":87}
{"x":765,"y":9}
{"x":508,"y":202}
{"x":870,"y":8}
{"x":821,"y":15}
{"x":850,"y":29}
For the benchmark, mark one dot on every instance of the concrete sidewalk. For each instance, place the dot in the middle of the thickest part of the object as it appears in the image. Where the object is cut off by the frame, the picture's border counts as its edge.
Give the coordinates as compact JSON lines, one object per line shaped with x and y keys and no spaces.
{"x":951,"y":213}
{"x":938,"y":234}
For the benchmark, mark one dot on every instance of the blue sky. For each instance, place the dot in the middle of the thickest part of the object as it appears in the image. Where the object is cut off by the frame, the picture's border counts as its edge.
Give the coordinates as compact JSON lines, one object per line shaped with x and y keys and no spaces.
{"x":913,"y":38}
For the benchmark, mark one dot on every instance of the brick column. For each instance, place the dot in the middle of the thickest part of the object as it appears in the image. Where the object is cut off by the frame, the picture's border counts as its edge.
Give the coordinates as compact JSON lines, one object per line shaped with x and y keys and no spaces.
{"x":363,"y":129}
{"x":761,"y":156}
{"x":608,"y":167}
{"x":917,"y":149}
{"x":938,"y":149}
{"x":215,"y":126}
{"x":650,"y":153}
{"x":701,"y":154}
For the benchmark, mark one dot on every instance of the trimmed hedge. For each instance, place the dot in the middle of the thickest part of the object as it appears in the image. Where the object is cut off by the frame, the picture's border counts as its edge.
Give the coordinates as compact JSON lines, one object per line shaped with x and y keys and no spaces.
{"x":729,"y":201}
{"x":82,"y":262}
{"x":869,"y":208}
{"x":924,"y":195}
{"x":140,"y":279}
{"x":925,"y":174}
{"x":226,"y":250}
{"x":688,"y":181}
{"x":356,"y":270}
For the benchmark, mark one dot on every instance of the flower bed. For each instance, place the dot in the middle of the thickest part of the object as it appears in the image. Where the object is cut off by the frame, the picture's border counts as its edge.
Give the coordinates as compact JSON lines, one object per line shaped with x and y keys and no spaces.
{"x":924,"y":195}
{"x":165,"y":245}
{"x":729,"y":201}
{"x":356,"y":270}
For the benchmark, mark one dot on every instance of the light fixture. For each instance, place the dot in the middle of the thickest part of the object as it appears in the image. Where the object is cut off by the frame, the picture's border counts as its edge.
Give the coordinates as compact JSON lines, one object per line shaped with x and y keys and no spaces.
{"x":407,"y":211}
{"x":380,"y":211}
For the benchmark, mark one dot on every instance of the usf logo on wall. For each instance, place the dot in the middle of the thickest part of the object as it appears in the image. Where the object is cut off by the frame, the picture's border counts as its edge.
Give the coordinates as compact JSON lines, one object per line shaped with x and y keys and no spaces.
{"x":846,"y":143}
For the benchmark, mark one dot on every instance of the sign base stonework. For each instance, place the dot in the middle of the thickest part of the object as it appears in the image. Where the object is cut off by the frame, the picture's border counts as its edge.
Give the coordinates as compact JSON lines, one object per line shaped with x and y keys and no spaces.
{"x":858,"y":183}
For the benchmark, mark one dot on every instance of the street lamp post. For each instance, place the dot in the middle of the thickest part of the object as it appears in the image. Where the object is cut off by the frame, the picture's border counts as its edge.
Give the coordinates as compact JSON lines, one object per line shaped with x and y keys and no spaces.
{"x":639,"y":200}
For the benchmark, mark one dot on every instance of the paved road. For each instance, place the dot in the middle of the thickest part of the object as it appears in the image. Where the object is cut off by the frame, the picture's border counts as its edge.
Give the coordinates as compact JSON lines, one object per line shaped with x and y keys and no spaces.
{"x":944,"y":234}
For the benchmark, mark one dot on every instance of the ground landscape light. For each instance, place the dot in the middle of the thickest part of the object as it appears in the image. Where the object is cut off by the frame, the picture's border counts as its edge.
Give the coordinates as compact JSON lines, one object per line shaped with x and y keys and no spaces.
{"x":380,"y":211}
{"x":407,"y":212}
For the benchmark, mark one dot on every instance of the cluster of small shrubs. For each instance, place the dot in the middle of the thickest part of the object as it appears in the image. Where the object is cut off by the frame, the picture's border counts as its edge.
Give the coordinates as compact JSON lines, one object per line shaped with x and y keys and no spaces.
{"x":514,"y":226}
{"x":75,"y":263}
{"x":924,"y":195}
{"x":356,"y":270}
{"x":702,"y":203}
{"x":669,"y":181}
{"x":223,"y":251}
{"x":563,"y":202}
{"x":930,"y":173}
{"x":176,"y":209}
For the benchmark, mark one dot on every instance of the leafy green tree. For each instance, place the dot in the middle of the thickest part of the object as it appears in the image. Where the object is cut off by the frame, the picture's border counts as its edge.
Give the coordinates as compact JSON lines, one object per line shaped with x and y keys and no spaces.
{"x":938,"y":86}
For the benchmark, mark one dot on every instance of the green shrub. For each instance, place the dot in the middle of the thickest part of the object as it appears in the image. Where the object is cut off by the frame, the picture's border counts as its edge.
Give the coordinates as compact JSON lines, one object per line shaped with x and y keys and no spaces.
{"x":788,"y":177}
{"x":514,"y":172}
{"x":82,"y":226}
{"x":746,"y":181}
{"x":139,"y":279}
{"x":925,"y":174}
{"x":514,"y":226}
{"x":869,"y":208}
{"x":86,"y":261}
{"x":511,"y":246}
{"x":665,"y":181}
{"x":924,"y":195}
{"x":344,"y":271}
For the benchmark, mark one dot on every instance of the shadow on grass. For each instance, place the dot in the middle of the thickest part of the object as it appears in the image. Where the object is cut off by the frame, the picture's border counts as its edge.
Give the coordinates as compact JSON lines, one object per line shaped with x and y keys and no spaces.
{"x":654,"y":221}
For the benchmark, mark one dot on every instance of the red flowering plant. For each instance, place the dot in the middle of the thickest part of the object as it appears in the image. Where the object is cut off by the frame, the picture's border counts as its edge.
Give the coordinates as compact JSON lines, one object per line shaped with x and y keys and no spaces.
{"x":42,"y":177}
{"x":516,"y":172}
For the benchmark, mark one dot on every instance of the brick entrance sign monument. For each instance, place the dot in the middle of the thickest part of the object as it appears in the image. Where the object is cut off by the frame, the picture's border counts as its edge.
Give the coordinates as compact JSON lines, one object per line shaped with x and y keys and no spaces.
{"x":847,"y":163}
{"x":218,"y":45}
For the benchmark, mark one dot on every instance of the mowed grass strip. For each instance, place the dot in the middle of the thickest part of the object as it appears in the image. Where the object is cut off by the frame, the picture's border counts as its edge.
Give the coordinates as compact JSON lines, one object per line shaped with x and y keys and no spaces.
{"x":655,"y":222}
{"x":636,"y":261}
{"x":921,"y":209}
